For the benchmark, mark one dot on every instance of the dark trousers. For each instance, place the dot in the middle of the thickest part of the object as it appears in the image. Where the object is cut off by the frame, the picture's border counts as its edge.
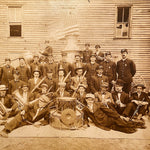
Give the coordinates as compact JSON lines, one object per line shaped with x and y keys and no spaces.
{"x":131,"y":107}
{"x":127,"y":87}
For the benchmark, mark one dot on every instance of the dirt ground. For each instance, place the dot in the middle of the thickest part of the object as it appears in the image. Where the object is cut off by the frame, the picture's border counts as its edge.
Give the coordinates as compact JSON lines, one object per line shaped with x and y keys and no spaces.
{"x":49,"y":138}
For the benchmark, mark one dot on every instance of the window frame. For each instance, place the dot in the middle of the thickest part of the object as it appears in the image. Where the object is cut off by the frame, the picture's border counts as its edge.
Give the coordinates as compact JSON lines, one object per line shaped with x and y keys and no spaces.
{"x":129,"y":22}
{"x":15,"y":23}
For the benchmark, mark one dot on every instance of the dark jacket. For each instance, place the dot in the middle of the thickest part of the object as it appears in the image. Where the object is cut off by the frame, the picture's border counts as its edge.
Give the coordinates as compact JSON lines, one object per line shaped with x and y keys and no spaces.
{"x":6,"y":74}
{"x":126,"y":70}
{"x":96,"y":82}
{"x":109,"y":70}
{"x":25,"y":73}
{"x":86,"y":56}
{"x":124,"y":98}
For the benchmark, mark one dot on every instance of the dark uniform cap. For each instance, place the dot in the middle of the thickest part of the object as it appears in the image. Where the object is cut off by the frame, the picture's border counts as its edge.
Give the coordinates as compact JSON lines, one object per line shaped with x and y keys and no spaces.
{"x":87,"y":44}
{"x":107,"y":53}
{"x":16,"y":72}
{"x":140,"y":85}
{"x":97,"y":46}
{"x":120,"y":82}
{"x":124,"y":50}
{"x":99,"y":67}
{"x":7,"y":59}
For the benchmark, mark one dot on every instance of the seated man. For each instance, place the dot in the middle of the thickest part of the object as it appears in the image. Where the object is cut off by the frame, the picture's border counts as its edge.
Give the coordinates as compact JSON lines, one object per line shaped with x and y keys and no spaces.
{"x":7,"y":104}
{"x":50,"y":81}
{"x":35,"y":80}
{"x":138,"y":99}
{"x":33,"y":112}
{"x":78,"y":79}
{"x":97,"y":80}
{"x":121,"y":99}
{"x":105,"y":117}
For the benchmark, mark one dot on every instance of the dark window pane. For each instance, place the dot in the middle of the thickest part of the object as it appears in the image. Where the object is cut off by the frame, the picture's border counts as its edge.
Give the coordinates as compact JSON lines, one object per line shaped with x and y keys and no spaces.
{"x":126,"y":14}
{"x":15,"y":30}
{"x":120,"y":11}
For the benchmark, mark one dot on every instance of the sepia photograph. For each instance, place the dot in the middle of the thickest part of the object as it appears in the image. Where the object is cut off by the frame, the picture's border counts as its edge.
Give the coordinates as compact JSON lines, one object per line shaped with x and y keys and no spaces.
{"x":74,"y":74}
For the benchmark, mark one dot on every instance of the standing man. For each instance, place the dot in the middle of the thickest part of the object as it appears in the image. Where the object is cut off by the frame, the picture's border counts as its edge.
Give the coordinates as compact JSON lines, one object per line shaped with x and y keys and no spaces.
{"x":87,"y":53}
{"x":78,"y":63}
{"x":16,"y":83}
{"x":109,"y":69}
{"x":7,"y":72}
{"x":126,"y":69}
{"x":99,"y":54}
{"x":51,"y":65}
{"x":36,"y":64}
{"x":24,"y":70}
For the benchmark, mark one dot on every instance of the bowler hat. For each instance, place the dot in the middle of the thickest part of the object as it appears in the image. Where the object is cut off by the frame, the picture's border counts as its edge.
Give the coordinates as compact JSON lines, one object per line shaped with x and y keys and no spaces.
{"x":140,"y":85}
{"x":120,"y":82}
{"x":82,"y":85}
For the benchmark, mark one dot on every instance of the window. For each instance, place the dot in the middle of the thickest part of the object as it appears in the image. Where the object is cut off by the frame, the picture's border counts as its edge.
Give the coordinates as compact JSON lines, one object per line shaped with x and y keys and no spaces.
{"x":123,"y":22}
{"x":15,"y":21}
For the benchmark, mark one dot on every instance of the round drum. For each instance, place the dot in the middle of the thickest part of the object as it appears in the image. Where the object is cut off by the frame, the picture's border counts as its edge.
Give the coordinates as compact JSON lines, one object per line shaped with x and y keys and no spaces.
{"x":68,"y":117}
{"x":66,"y":102}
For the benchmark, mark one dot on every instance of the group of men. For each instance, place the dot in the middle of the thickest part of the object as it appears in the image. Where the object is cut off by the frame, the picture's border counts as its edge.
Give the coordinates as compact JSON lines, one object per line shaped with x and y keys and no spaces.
{"x":29,"y":92}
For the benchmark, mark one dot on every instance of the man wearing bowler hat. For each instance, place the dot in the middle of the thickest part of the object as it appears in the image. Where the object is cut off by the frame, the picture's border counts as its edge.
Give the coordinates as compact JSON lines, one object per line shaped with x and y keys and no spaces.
{"x":126,"y":69}
{"x":138,"y":98}
{"x":76,"y":64}
{"x":36,"y":64}
{"x":97,"y":80}
{"x":78,"y":79}
{"x":7,"y":72}
{"x":35,"y":80}
{"x":121,"y":99}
